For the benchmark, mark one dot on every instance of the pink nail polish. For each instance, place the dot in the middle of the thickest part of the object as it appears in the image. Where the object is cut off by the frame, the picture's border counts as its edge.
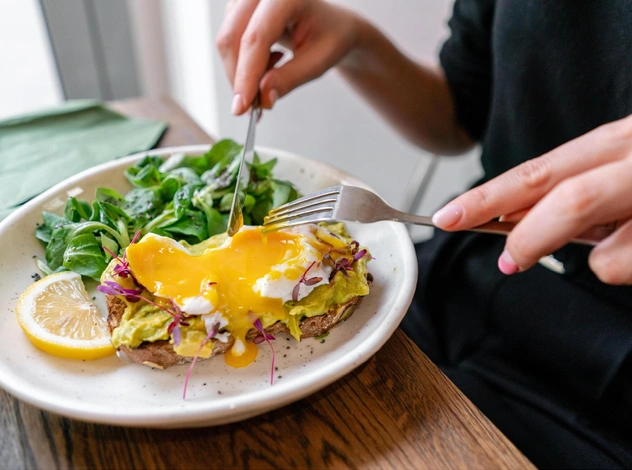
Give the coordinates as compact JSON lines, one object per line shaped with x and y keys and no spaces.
{"x":237,"y":104}
{"x":448,"y":216}
{"x":506,"y":264}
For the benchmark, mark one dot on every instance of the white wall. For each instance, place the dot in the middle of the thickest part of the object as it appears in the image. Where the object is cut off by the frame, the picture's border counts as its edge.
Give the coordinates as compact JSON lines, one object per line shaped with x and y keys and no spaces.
{"x":28,"y":77}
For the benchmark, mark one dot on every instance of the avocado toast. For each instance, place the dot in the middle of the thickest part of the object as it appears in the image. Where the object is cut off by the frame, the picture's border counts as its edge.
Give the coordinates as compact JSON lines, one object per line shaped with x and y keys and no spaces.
{"x":246,"y":289}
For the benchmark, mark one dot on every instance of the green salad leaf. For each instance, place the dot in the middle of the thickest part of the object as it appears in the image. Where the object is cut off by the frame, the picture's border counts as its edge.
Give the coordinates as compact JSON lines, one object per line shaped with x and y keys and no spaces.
{"x":186,"y":197}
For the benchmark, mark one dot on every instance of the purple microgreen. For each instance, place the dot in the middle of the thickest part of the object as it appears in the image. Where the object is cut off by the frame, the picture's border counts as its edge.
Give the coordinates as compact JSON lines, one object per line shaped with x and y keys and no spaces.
{"x":303,"y":280}
{"x":295,"y":292}
{"x":112,"y":288}
{"x":265,"y":337}
{"x":360,"y":254}
{"x":313,"y":281}
{"x":175,"y":332}
{"x":342,"y":265}
{"x":178,"y":320}
{"x":122,"y":269}
{"x":354,"y":246}
{"x":135,"y":239}
{"x":133,"y":295}
{"x":211,"y":334}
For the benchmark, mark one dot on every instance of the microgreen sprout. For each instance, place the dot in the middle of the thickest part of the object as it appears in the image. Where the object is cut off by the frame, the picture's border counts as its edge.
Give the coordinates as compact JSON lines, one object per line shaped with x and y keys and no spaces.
{"x":179,"y":319}
{"x":260,"y":338}
{"x":133,"y":295}
{"x":122,"y":268}
{"x":112,"y":288}
{"x":210,"y":335}
{"x":303,"y":280}
{"x":344,"y":264}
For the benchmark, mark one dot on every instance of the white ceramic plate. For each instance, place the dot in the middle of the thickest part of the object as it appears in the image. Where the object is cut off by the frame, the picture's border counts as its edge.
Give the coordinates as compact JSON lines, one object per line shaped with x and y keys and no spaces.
{"x":116,"y":392}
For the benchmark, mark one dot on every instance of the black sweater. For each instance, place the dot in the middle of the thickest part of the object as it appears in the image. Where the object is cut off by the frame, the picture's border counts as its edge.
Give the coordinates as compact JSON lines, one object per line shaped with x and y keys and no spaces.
{"x":530,"y":75}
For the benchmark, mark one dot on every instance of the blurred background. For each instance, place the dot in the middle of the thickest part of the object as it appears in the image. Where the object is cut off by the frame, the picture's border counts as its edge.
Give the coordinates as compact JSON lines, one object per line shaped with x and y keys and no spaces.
{"x":53,"y":50}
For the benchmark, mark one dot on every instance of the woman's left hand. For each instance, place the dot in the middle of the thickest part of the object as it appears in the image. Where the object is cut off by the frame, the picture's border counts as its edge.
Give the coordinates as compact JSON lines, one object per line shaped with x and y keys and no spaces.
{"x":576,"y":187}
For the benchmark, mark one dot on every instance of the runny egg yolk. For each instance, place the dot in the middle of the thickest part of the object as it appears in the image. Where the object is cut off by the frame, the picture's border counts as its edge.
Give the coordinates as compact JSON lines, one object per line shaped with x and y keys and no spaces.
{"x":241,"y":354}
{"x":223,"y":276}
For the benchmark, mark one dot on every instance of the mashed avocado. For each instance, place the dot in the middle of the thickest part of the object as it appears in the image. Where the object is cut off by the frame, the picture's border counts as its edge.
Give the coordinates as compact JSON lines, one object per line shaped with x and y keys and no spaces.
{"x":144,"y":322}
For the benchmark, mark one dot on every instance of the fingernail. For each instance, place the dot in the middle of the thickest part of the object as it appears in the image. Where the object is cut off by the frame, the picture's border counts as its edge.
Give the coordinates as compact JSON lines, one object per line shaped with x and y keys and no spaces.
{"x":273,"y":95}
{"x":447,"y":216}
{"x":237,"y":104}
{"x":506,"y":264}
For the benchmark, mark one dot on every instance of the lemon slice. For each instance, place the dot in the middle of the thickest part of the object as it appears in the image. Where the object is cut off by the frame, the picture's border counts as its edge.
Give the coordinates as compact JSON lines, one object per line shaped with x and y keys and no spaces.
{"x":58,"y":317}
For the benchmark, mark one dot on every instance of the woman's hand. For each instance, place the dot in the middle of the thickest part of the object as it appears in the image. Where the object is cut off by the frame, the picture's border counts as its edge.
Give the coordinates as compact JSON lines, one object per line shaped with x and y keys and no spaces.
{"x":580,"y":185}
{"x":318,"y":33}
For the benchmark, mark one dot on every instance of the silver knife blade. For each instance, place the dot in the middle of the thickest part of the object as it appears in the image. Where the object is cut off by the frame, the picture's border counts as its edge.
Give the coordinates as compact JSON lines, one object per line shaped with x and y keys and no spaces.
{"x":236,"y":217}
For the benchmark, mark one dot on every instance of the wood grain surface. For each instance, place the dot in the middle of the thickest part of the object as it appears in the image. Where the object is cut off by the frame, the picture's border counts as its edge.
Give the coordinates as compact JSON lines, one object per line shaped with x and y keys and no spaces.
{"x":396,"y":411}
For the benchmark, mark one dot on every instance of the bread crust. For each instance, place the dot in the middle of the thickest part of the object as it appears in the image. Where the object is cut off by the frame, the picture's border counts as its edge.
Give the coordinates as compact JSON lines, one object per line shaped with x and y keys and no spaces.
{"x":160,"y":354}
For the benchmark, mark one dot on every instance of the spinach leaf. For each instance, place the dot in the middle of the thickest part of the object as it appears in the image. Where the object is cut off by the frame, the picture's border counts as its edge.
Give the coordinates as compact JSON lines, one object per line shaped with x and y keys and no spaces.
{"x":143,"y":203}
{"x":83,"y":255}
{"x":260,"y":210}
{"x":259,"y":170}
{"x":43,"y":233}
{"x":53,"y":221}
{"x":183,"y":199}
{"x":186,"y":176}
{"x":282,"y":192}
{"x":110,"y":196}
{"x":192,"y":225}
{"x":110,"y":244}
{"x":226,"y":202}
{"x":77,"y":210}
{"x":224,"y":150}
{"x":57,"y":245}
{"x":199,"y":164}
{"x":146,"y":177}
{"x":169,"y":186}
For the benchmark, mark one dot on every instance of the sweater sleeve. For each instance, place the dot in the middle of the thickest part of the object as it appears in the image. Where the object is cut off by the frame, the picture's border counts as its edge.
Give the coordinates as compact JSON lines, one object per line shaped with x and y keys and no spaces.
{"x":466,"y":58}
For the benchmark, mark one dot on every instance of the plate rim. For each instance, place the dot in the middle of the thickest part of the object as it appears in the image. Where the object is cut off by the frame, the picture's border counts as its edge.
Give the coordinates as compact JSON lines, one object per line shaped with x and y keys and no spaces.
{"x":242,"y":406}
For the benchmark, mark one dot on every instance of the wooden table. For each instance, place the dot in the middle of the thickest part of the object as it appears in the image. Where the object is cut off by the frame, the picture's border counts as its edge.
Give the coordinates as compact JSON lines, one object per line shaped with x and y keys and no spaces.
{"x":396,"y":411}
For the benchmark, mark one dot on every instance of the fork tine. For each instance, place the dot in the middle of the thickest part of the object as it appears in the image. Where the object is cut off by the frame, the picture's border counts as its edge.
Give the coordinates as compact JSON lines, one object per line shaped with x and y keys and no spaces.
{"x":333,"y":191}
{"x":298,"y":207}
{"x":298,"y":214}
{"x":310,"y":219}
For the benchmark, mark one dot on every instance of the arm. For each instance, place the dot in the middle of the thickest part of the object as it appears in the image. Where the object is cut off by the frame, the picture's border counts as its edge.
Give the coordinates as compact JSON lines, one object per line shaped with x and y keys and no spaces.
{"x":415,"y":99}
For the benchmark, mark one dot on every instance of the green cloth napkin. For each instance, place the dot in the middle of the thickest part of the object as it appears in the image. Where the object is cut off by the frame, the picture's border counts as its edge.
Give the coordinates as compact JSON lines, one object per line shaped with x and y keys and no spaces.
{"x":41,"y":149}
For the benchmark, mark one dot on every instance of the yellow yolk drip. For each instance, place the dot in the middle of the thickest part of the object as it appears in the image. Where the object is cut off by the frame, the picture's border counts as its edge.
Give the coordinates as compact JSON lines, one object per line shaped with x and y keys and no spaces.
{"x":243,"y":357}
{"x":223,"y":276}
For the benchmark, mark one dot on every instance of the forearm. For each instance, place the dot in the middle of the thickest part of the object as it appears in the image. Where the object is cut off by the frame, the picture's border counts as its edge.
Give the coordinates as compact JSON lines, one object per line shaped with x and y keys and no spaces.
{"x":413,"y":98}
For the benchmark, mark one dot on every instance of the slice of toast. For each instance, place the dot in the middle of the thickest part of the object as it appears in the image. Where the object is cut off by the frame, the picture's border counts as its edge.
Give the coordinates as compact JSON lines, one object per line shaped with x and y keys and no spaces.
{"x":160,"y":354}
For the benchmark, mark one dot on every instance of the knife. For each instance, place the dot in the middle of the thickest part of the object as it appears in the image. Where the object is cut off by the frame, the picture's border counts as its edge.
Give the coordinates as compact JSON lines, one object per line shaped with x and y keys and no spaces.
{"x":236,"y":217}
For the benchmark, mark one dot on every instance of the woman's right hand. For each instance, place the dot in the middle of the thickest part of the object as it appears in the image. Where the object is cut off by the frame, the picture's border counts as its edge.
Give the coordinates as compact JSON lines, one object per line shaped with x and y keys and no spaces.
{"x":318,"y":33}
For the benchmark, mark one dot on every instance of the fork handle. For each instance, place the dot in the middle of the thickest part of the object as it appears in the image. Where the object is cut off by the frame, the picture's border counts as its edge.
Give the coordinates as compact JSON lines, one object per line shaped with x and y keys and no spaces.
{"x":591,"y":237}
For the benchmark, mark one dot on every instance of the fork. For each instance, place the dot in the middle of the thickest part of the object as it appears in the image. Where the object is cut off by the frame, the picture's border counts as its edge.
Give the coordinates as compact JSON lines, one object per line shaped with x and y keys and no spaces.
{"x":349,"y":203}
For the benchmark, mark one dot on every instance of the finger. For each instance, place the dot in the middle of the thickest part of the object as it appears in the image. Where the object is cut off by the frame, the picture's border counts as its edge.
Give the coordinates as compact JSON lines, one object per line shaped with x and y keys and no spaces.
{"x":267,"y":24}
{"x":592,"y":198}
{"x":238,"y":14}
{"x":307,"y":64}
{"x":514,"y":216}
{"x":524,"y":185}
{"x":611,"y":260}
